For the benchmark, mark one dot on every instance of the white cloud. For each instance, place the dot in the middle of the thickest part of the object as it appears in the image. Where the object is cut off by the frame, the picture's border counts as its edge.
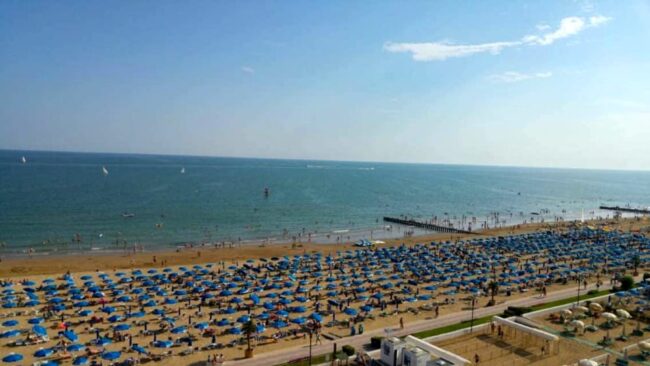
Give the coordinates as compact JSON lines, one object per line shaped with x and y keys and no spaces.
{"x":542,"y":27}
{"x":248,"y":69}
{"x":568,"y":27}
{"x":439,"y":51}
{"x":514,"y":76}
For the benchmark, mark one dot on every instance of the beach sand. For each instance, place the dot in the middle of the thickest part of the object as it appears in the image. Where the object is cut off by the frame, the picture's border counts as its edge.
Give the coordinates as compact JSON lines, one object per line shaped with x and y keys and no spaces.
{"x":57,"y":264}
{"x":38,"y":268}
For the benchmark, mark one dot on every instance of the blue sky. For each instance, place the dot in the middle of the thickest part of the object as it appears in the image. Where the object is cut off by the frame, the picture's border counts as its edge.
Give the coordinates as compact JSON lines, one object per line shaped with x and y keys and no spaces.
{"x":531,"y":83}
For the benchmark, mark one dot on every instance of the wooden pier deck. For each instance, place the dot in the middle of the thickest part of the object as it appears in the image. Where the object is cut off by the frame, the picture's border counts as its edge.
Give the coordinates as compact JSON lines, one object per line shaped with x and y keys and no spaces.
{"x":425,"y":225}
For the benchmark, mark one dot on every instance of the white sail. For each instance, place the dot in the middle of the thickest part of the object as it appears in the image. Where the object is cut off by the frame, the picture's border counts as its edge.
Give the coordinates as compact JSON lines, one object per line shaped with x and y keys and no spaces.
{"x":182,"y":170}
{"x":23,"y":159}
{"x":104,"y":170}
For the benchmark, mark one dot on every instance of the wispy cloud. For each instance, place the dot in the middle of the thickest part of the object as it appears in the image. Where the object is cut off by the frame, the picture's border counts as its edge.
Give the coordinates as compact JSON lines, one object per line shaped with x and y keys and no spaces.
{"x":443,"y":50}
{"x":248,"y":69}
{"x":439,"y":51}
{"x":568,"y":27}
{"x":514,"y":76}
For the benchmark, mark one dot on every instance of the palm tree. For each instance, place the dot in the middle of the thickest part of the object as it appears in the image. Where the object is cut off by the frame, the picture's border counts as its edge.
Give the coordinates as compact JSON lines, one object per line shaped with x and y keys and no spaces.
{"x":494,"y":290}
{"x":249,"y":328}
{"x":636,"y":262}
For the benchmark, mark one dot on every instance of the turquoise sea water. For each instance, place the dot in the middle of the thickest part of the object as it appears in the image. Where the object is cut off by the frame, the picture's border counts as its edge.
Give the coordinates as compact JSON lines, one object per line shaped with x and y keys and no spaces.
{"x":45,"y":202}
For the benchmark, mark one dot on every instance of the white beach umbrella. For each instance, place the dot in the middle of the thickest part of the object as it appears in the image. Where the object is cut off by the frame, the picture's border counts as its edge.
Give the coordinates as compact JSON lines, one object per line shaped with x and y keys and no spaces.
{"x":644,"y":346}
{"x":594,"y":306}
{"x":623,"y":314}
{"x":580,"y":309}
{"x":610,"y":316}
{"x":566,"y":312}
{"x":577,"y":324}
{"x":587,"y":362}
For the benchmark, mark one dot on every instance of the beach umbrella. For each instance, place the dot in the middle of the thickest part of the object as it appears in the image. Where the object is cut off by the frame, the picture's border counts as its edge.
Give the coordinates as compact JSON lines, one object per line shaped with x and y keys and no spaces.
{"x":121,"y":327}
{"x":10,"y":323}
{"x":170,"y":301}
{"x":243,"y":319}
{"x":259,"y":328}
{"x":12,"y":357}
{"x":279,"y":324}
{"x":623,"y":314}
{"x":223,"y":322}
{"x":201,"y":326}
{"x":102,"y":341}
{"x":43,"y":352}
{"x":644,"y":346}
{"x":317,"y":317}
{"x":587,"y":362}
{"x":75,"y":347}
{"x":49,"y":363}
{"x":137,"y":314}
{"x":37,"y":320}
{"x":80,"y":360}
{"x":85,"y":312}
{"x":350,"y":312}
{"x":70,"y":335}
{"x":39,"y":330}
{"x":366,"y":308}
{"x":110,"y":356}
{"x":234,"y":330}
{"x":299,"y":321}
{"x":10,"y":333}
{"x":179,"y":330}
{"x":163,"y":344}
{"x":609,"y":316}
{"x":139,"y":349}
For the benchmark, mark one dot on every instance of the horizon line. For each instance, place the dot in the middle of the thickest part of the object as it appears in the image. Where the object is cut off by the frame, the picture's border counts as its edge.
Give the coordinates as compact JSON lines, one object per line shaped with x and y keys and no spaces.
{"x":327,"y":160}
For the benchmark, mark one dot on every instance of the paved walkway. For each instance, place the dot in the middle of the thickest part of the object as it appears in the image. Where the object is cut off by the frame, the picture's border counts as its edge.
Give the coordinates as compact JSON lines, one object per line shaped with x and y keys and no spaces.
{"x":296,"y":352}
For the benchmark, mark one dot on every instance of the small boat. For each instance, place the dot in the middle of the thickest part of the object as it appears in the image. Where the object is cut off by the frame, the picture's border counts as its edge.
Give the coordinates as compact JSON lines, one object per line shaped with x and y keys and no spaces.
{"x":23,"y":160}
{"x":266,"y":192}
{"x":104,"y":170}
{"x":182,"y":170}
{"x":128,"y":215}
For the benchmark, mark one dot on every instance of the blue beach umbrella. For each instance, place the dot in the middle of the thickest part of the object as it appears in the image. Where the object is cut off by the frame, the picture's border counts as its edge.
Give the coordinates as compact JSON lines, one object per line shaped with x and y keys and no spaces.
{"x":350,"y":312}
{"x":37,"y":320}
{"x":39,"y":330}
{"x":9,"y":333}
{"x":139,"y":349}
{"x":163,"y":344}
{"x":110,"y":356}
{"x":43,"y":352}
{"x":12,"y":357}
{"x":75,"y":347}
{"x":70,"y":335}
{"x":80,"y":360}
{"x":121,"y":327}
{"x":10,"y":323}
{"x":179,"y":330}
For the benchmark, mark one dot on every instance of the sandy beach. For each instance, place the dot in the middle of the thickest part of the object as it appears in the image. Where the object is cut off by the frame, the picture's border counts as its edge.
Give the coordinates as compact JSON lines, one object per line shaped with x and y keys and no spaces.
{"x":57,"y":264}
{"x":39,"y":268}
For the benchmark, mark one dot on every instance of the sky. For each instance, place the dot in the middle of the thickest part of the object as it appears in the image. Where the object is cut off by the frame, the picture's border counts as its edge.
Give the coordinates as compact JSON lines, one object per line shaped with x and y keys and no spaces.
{"x":523,"y":83}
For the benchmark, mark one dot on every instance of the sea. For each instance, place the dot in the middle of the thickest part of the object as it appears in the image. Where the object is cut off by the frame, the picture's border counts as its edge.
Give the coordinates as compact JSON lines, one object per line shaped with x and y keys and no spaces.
{"x":62,"y":202}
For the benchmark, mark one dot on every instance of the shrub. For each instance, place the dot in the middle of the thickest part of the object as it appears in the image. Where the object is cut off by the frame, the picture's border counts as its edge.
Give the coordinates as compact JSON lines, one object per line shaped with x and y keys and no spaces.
{"x":516,"y":311}
{"x":592,"y":292}
{"x":348,"y":350}
{"x":646,"y":276}
{"x":627,"y":283}
{"x":375,"y":342}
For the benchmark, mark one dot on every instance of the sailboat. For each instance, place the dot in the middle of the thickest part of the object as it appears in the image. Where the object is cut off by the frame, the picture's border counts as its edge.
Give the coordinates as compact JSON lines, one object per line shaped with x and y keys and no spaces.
{"x":104,"y":170}
{"x":182,"y":170}
{"x":23,"y":160}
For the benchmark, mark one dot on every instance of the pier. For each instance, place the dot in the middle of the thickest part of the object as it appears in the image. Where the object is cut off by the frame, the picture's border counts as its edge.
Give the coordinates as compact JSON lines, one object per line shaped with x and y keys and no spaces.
{"x":626,"y":209}
{"x":424,"y":225}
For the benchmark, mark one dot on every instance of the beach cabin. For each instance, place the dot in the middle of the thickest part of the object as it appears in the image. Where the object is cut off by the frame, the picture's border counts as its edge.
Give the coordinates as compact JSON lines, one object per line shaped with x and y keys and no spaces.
{"x":391,"y":351}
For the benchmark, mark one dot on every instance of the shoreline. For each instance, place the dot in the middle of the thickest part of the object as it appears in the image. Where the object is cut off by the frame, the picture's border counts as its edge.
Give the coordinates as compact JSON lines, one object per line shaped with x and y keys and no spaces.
{"x":50,"y":264}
